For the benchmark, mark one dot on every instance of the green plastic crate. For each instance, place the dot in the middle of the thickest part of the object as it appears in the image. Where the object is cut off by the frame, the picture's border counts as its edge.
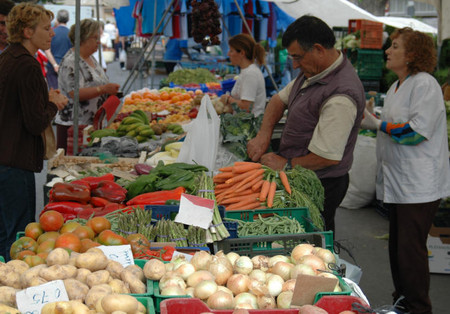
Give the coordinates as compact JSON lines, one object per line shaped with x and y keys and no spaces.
{"x":149,"y":293}
{"x":367,"y":62}
{"x":346,"y":290}
{"x":20,"y":234}
{"x":301,"y":214}
{"x":158,"y":298}
{"x":148,"y":303}
{"x":2,"y":259}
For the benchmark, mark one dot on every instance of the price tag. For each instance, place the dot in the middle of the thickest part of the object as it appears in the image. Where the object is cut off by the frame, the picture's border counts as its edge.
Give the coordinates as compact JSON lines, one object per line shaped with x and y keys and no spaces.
{"x":195,"y":211}
{"x":187,"y":257}
{"x":119,"y":253}
{"x":33,"y":299}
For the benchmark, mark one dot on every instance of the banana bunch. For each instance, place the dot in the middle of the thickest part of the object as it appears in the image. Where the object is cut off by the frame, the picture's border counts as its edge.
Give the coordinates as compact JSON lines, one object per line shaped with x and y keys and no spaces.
{"x":136,"y":125}
{"x":175,"y":128}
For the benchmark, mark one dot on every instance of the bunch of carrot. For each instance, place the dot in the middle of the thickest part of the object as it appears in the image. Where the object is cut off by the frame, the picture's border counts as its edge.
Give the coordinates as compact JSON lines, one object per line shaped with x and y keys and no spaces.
{"x":247,"y":185}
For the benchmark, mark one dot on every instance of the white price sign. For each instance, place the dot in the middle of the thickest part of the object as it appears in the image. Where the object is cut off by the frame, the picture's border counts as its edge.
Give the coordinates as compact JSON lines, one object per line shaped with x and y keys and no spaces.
{"x":119,"y":253}
{"x":33,"y":299}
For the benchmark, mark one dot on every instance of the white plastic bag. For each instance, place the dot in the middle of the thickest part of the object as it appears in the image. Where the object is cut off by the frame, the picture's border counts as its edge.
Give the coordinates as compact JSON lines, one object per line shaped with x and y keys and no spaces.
{"x":202,"y":139}
{"x":122,"y":55}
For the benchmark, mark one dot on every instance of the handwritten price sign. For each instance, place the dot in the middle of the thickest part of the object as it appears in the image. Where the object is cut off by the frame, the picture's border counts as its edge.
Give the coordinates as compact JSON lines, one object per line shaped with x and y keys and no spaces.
{"x":33,"y":299}
{"x":119,"y":253}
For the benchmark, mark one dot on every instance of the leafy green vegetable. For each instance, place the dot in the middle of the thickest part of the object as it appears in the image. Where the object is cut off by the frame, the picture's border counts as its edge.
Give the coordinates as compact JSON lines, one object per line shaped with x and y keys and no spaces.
{"x":196,"y":76}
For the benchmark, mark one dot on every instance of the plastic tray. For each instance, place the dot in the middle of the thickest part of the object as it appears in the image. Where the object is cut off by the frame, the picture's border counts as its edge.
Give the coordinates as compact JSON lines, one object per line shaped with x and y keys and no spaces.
{"x":301,"y":214}
{"x":148,"y":303}
{"x":196,"y":306}
{"x":232,"y":228}
{"x":346,"y":290}
{"x":337,"y":304}
{"x":158,"y":298}
{"x":265,"y":245}
{"x":170,"y":211}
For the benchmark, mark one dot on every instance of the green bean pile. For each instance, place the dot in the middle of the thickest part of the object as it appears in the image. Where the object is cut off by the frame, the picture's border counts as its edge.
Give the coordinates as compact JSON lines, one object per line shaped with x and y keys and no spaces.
{"x":275,"y":224}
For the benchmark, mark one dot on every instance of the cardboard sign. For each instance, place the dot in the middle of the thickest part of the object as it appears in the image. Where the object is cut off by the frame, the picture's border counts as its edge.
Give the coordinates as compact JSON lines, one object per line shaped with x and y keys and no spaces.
{"x":195,"y":211}
{"x":307,"y":286}
{"x":119,"y":253}
{"x":33,"y":299}
{"x":187,"y":257}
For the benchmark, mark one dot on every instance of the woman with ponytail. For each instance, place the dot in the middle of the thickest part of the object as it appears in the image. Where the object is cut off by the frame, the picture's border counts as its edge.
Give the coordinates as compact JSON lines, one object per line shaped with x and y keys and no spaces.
{"x":249,"y":91}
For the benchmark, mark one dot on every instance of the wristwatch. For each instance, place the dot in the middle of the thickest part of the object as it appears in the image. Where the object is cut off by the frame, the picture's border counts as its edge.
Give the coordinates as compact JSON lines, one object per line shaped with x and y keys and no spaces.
{"x":289,"y":164}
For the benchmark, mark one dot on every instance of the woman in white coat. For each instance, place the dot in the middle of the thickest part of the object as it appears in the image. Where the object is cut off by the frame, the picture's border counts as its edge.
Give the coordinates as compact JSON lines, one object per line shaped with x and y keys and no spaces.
{"x":413,"y":171}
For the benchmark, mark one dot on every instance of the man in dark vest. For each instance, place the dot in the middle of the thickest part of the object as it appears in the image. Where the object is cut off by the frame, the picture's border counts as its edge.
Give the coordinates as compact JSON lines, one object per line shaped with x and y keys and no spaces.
{"x":325,"y":106}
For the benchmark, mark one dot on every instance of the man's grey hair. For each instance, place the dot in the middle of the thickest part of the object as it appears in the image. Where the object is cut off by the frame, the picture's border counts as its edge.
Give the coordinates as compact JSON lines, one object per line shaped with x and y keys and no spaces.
{"x":62,"y":16}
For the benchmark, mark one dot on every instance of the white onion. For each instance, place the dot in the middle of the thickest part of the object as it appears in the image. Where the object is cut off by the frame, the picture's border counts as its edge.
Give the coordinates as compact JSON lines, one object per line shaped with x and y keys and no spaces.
{"x":224,"y":289}
{"x":238,"y":283}
{"x":245,"y":298}
{"x":326,"y":255}
{"x":258,"y":288}
{"x":173,"y":290}
{"x":201,"y":260}
{"x":220,"y":254}
{"x":337,"y":288}
{"x":266,"y":302}
{"x":284,"y":299}
{"x":289,"y":285}
{"x":302,"y":269}
{"x":185,"y":270}
{"x":154,"y":269}
{"x":220,"y":300}
{"x":232,"y":257}
{"x":258,"y":274}
{"x":205,"y":289}
{"x":301,"y":250}
{"x":277,"y":258}
{"x":315,"y":262}
{"x":169,"y":267}
{"x":190,"y":292}
{"x":243,"y":265}
{"x":275,"y":285}
{"x":171,"y":279}
{"x":221,"y":268}
{"x":243,"y":308}
{"x":283,"y":269}
{"x":199,"y":276}
{"x":178,"y":261}
{"x":260,"y":262}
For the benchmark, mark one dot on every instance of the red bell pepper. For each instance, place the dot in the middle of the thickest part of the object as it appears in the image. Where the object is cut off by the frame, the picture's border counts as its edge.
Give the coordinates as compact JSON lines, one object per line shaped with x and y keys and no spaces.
{"x":81,"y":182}
{"x":110,"y":191}
{"x":69,"y":210}
{"x":70,"y":192}
{"x":111,"y":207}
{"x":99,"y":201}
{"x":94,"y":181}
{"x":157,"y":197}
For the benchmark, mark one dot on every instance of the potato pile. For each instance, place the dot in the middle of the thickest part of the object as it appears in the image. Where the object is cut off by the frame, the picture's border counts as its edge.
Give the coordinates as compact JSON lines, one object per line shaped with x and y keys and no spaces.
{"x":88,"y":278}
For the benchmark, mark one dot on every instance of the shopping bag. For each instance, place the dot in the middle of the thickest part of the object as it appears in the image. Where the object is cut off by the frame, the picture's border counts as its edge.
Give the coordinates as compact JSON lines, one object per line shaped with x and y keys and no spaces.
{"x":202,"y":139}
{"x":48,"y":136}
{"x":122,"y":55}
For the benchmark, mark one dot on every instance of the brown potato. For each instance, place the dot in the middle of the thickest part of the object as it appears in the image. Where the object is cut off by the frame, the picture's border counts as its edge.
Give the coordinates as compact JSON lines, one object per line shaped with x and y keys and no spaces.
{"x":98,"y":277}
{"x":56,"y":272}
{"x":92,"y":261}
{"x":60,"y":307}
{"x":8,"y":296}
{"x":82,"y":274}
{"x":18,"y":265}
{"x":31,"y":273}
{"x":119,"y":302}
{"x":118,"y":286}
{"x":58,"y":256}
{"x":36,"y":281}
{"x":136,"y":285}
{"x":114,"y":268}
{"x":95,"y":293}
{"x":9,"y":277}
{"x":76,"y":290}
{"x":137,"y":271}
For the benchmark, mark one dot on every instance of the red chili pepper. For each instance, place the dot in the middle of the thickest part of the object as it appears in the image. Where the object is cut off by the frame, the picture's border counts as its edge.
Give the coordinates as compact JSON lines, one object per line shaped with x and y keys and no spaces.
{"x":157,"y":197}
{"x":70,"y":192}
{"x":97,"y":201}
{"x":110,"y":191}
{"x":94,"y":181}
{"x":72,"y":208}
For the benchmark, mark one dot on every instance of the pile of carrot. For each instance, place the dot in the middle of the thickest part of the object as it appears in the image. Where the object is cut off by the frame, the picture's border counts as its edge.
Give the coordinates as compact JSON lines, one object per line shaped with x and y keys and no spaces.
{"x":247,"y":185}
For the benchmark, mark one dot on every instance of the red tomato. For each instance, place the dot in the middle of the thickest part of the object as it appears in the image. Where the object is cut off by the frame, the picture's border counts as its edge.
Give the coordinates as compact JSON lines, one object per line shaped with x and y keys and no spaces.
{"x":108,"y":237}
{"x":84,"y":232}
{"x":33,"y":260}
{"x":22,"y":244}
{"x":69,"y":226}
{"x":98,"y":224}
{"x":68,"y":241}
{"x":47,"y":236}
{"x":51,"y":220}
{"x":86,"y":244}
{"x":139,"y":243}
{"x":33,"y":230}
{"x":46,"y":246}
{"x":167,"y":252}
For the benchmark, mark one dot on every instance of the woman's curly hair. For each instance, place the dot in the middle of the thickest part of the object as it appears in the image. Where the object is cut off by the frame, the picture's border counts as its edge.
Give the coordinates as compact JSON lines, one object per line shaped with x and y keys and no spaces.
{"x":420,"y":50}
{"x":25,"y":15}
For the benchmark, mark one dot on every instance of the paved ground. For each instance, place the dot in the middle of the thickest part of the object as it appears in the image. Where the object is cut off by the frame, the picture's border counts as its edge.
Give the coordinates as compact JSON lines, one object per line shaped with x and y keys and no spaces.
{"x":356,"y":229}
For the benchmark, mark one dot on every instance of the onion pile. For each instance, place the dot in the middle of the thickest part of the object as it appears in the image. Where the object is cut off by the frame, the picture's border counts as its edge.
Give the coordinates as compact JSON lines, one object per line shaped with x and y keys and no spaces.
{"x":230,"y":281}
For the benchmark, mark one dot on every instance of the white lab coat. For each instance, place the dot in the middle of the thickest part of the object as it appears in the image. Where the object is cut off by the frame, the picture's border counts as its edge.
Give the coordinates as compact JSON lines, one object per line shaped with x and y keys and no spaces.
{"x":421,"y":173}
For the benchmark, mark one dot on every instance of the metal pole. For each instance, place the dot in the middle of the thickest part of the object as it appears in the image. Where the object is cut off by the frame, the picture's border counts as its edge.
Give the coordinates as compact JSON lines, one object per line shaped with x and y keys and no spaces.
{"x":250,"y":33}
{"x":97,"y":7}
{"x":76,"y":95}
{"x":153,"y":52}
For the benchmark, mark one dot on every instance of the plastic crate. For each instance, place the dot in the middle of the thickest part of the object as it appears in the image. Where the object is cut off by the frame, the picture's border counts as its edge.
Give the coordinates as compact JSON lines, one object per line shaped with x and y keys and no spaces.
{"x":158,"y":298}
{"x":337,"y":304}
{"x":371,"y":33}
{"x":197,"y":306}
{"x":368,"y":63}
{"x":269,"y":245}
{"x":148,"y":303}
{"x":301,"y":214}
{"x":149,"y":284}
{"x":2,"y":259}
{"x":371,"y":85}
{"x":227,"y":85}
{"x":170,"y":211}
{"x":346,"y":290}
{"x":232,"y":228}
{"x":20,"y":234}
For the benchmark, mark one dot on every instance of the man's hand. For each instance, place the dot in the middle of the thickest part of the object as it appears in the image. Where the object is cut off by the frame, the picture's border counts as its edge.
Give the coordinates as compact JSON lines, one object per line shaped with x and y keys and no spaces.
{"x":55,"y":96}
{"x":370,"y":122}
{"x":274,"y":161}
{"x":257,"y":146}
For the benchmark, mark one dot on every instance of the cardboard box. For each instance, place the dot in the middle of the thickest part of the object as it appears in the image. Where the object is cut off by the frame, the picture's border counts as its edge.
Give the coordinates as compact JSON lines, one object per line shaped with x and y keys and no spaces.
{"x":438,"y":244}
